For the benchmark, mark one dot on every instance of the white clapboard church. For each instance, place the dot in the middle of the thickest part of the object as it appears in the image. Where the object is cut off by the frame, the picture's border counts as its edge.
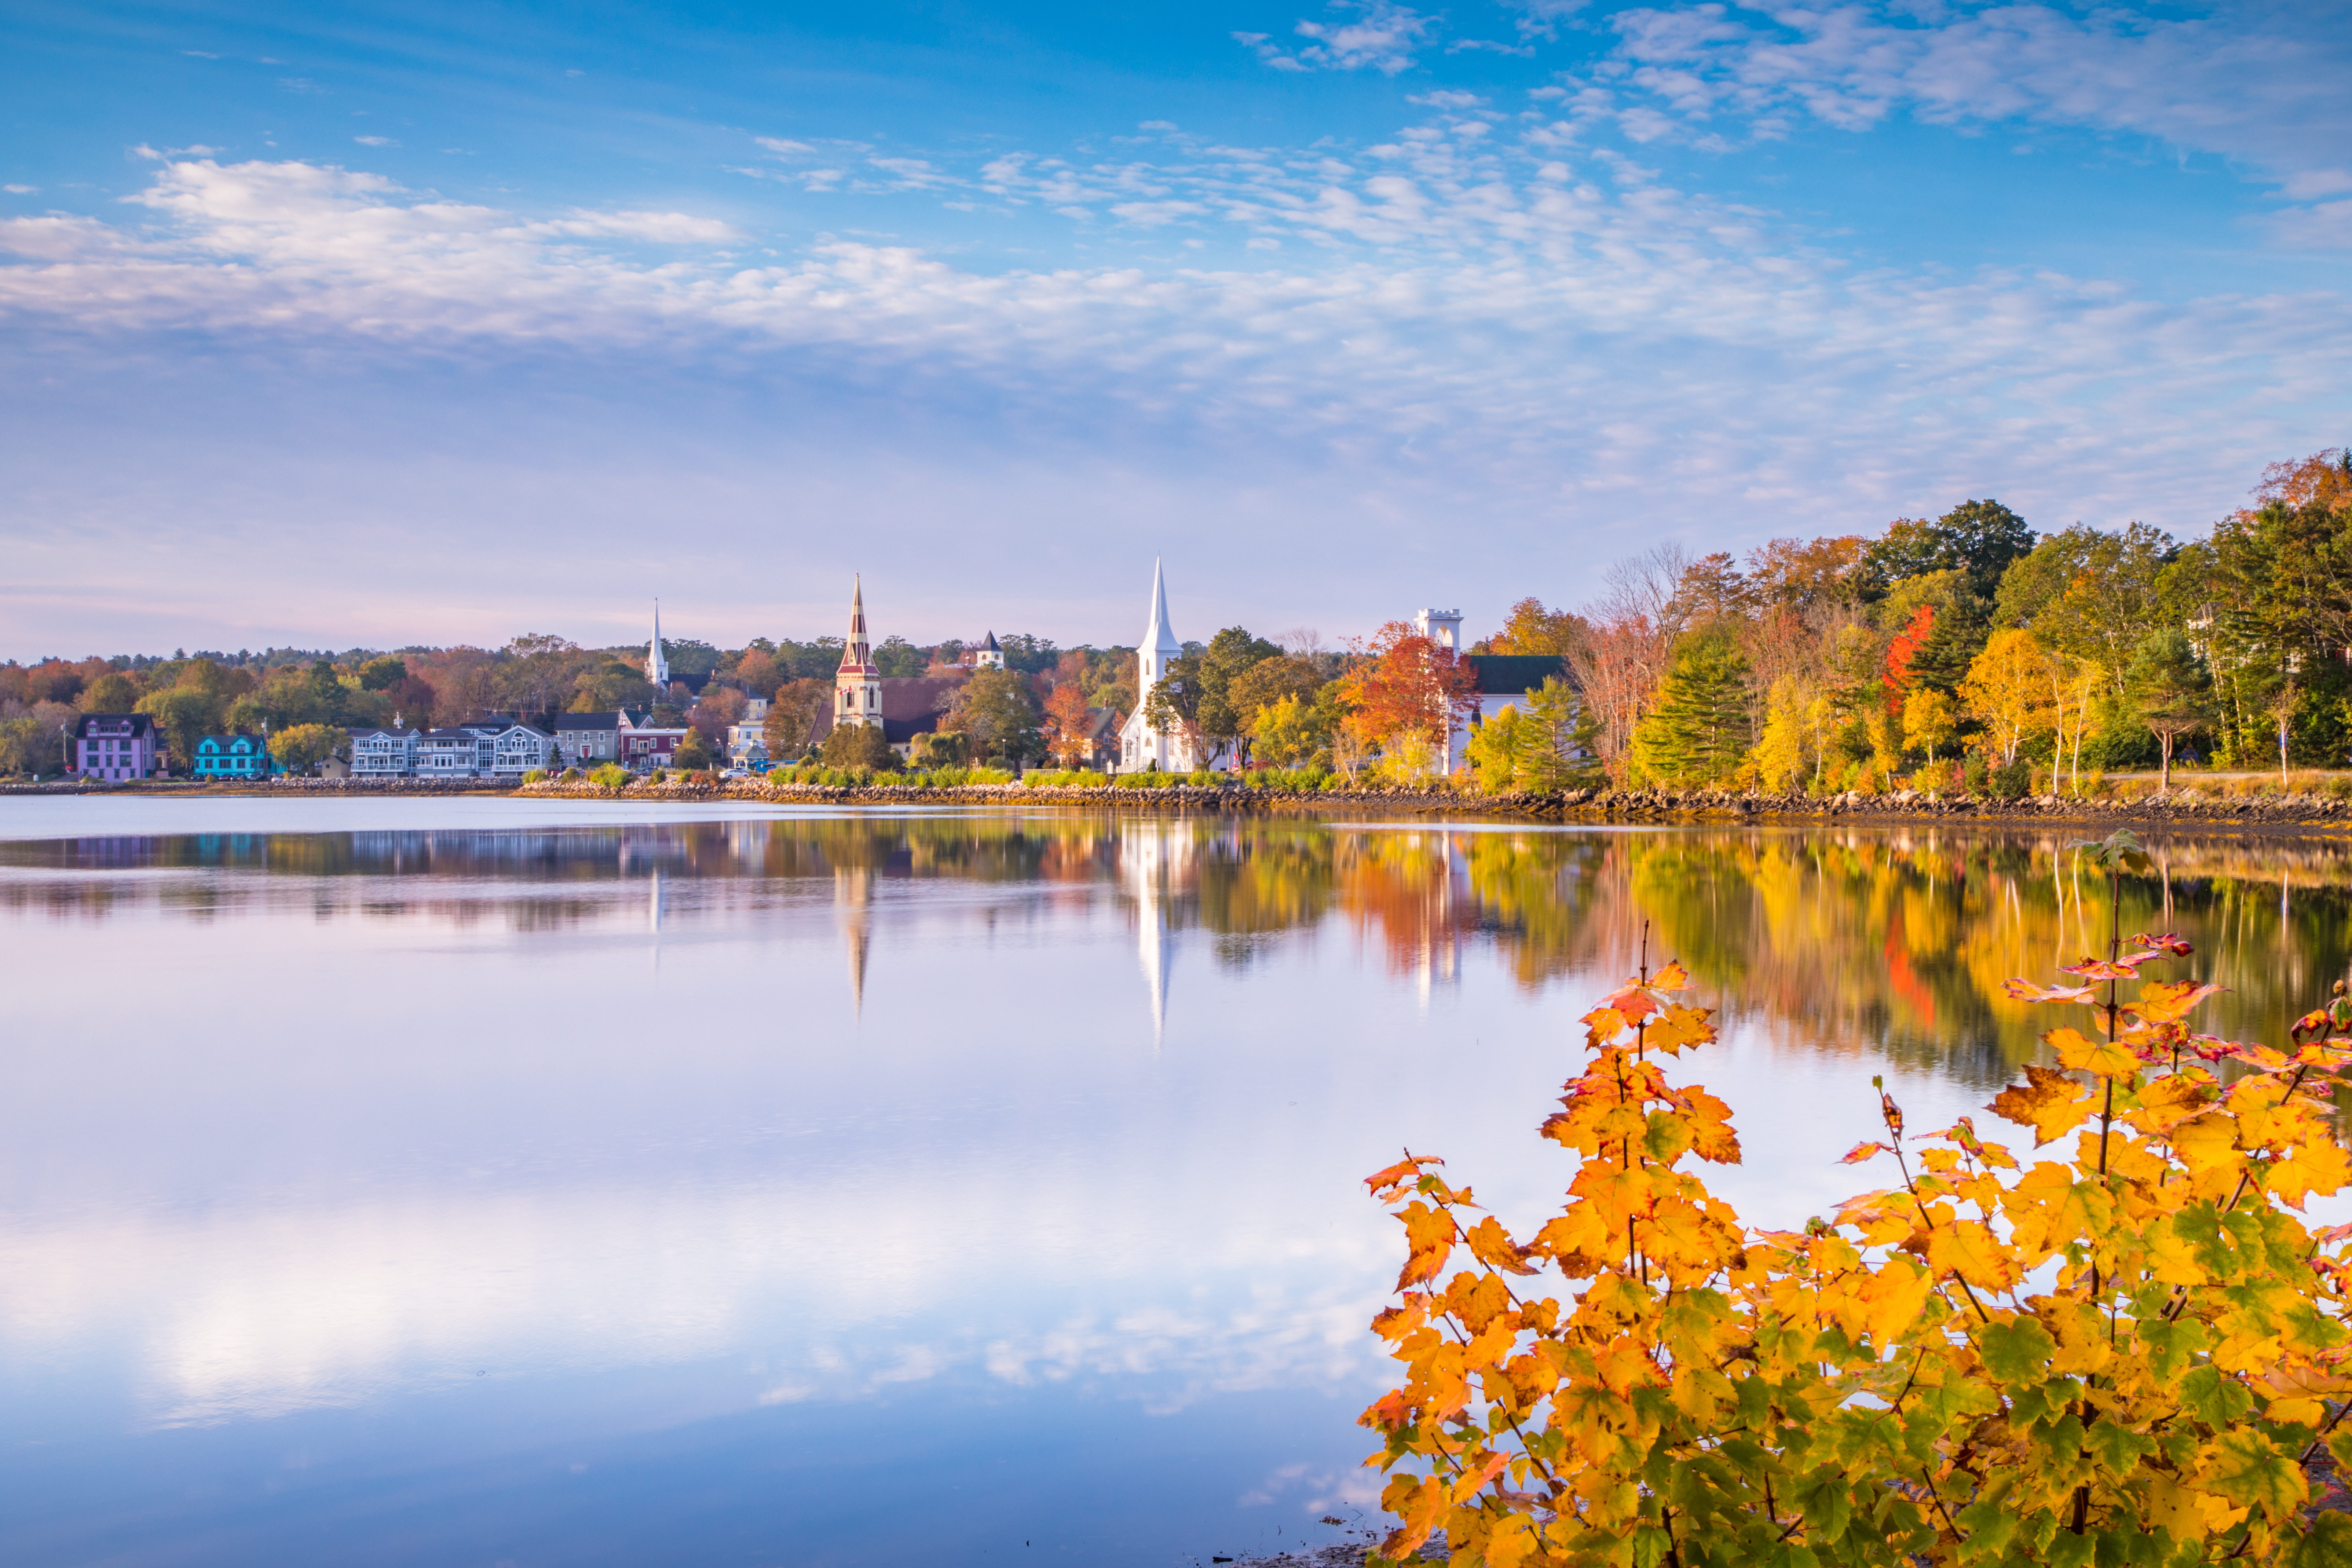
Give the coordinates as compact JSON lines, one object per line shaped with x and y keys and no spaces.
{"x":1140,"y":746}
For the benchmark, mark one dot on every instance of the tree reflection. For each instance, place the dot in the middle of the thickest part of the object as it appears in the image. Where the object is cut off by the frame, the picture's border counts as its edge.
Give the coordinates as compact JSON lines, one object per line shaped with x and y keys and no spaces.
{"x":1889,"y":941}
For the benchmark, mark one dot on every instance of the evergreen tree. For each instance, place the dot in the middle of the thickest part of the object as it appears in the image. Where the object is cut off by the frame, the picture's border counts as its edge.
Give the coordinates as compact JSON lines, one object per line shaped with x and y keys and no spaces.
{"x":1698,"y":730}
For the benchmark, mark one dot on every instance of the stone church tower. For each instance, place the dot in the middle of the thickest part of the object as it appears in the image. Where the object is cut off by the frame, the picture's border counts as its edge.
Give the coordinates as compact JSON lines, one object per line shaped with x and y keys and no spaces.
{"x":857,"y":684}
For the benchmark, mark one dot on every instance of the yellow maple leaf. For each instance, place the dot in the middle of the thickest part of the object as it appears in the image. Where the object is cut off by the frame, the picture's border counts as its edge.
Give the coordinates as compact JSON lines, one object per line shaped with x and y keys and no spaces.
{"x":2104,"y":1058}
{"x":2316,"y":1166}
{"x":2168,"y":1002}
{"x":2207,"y":1142}
{"x":1969,"y":1249}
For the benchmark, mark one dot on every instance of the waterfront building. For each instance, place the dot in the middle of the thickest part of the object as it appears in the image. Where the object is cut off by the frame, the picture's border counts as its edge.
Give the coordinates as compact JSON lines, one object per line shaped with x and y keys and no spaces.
{"x":236,"y":755}
{"x":115,"y":747}
{"x":385,"y":751}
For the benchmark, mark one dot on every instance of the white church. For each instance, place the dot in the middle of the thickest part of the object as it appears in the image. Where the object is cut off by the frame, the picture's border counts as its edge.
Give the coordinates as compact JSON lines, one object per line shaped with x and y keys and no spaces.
{"x":1140,"y":746}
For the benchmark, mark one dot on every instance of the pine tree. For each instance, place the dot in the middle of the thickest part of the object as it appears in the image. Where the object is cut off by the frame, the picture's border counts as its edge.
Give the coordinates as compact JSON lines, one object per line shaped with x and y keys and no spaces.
{"x":1698,"y":730}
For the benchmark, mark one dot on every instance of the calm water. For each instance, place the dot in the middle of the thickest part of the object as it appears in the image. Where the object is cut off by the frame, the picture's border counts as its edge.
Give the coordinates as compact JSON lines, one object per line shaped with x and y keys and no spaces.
{"x":478,"y":1183}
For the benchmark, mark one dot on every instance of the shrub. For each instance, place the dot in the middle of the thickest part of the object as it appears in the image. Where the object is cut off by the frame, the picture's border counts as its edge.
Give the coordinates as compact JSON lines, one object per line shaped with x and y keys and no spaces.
{"x":2124,"y":1359}
{"x":612,"y":776}
{"x":535,"y":775}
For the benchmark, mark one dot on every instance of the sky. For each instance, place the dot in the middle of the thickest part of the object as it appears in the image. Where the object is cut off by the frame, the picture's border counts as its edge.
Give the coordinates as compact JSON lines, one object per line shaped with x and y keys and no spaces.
{"x":340,"y":325}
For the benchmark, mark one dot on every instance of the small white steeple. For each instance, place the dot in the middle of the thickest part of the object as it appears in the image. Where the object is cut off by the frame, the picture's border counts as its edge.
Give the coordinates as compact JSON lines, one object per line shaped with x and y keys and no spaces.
{"x":656,"y":661}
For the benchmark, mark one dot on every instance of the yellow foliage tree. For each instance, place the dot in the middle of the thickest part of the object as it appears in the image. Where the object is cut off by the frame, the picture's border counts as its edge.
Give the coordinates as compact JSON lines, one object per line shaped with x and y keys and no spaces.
{"x":2006,"y":689}
{"x":1927,"y":719}
{"x":1779,"y":756}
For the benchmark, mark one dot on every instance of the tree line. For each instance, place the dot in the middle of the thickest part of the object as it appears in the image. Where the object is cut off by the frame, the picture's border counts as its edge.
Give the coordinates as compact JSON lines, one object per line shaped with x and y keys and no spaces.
{"x":1966,"y":651}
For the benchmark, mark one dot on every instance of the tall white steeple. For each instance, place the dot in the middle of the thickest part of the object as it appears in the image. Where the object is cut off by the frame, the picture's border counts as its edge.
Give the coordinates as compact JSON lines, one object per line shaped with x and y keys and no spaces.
{"x":857,"y":684}
{"x":656,"y":662}
{"x":1139,"y":745}
{"x":1159,"y":646}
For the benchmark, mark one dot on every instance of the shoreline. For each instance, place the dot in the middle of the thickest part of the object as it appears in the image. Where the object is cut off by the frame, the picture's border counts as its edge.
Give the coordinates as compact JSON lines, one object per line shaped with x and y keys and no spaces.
{"x":2186,"y":807}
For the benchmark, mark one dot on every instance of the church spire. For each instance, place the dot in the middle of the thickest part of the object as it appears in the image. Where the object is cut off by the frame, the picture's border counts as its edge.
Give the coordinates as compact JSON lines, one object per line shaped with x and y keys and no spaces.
{"x":857,"y":655}
{"x":656,"y":661}
{"x":857,"y":685}
{"x":1157,"y":635}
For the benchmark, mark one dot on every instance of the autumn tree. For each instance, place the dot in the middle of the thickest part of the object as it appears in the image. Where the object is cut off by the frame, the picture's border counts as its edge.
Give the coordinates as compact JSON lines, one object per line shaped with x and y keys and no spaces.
{"x":1069,"y":724}
{"x":1804,"y":572}
{"x":856,"y":746}
{"x":2170,"y":685}
{"x":1531,"y":631}
{"x":995,"y":713}
{"x":1289,"y":730}
{"x":1270,"y":681}
{"x":1196,"y":699}
{"x":1978,"y":537}
{"x":793,"y":715}
{"x":302,"y":747}
{"x":1928,"y":718}
{"x":2006,"y":689}
{"x":1405,"y":687}
{"x":116,"y":691}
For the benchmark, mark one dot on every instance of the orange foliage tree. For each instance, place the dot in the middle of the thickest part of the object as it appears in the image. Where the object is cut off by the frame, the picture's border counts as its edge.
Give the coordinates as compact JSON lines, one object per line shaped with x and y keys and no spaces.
{"x":1403,"y":685}
{"x":1066,"y":723}
{"x":2124,"y":1356}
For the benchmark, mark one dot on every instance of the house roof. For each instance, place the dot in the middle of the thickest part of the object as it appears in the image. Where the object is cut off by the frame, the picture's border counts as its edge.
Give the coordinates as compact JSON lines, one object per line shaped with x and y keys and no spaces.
{"x":141,"y":723}
{"x":990,"y":645}
{"x":365,"y":732}
{"x":1513,"y":675}
{"x":587,"y":721}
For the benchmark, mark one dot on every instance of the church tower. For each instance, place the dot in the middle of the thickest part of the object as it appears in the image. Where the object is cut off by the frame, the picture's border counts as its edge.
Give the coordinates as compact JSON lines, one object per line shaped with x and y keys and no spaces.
{"x":656,"y":661}
{"x":856,"y":685}
{"x":1139,"y":745}
{"x":1160,"y":648}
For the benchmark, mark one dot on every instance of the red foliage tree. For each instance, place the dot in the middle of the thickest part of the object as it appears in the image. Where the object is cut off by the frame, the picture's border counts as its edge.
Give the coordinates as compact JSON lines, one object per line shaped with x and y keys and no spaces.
{"x":1406,"y":684}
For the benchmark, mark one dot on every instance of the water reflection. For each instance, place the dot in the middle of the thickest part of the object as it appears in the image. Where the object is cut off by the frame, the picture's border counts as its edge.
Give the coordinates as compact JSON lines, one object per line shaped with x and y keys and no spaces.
{"x":1845,"y":941}
{"x":986,"y":1138}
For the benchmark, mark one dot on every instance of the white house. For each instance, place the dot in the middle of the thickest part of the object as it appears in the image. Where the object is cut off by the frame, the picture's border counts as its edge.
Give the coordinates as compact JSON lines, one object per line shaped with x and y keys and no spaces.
{"x":383,"y":753}
{"x":494,"y":747}
{"x":1140,"y":746}
{"x":747,"y":738}
{"x":1504,"y":680}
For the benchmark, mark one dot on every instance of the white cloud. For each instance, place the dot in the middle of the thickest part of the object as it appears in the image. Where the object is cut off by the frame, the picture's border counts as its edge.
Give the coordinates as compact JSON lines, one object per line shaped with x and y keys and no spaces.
{"x":2258,"y":83}
{"x":1381,"y":37}
{"x":376,"y":141}
{"x":20,"y":190}
{"x":1559,"y":326}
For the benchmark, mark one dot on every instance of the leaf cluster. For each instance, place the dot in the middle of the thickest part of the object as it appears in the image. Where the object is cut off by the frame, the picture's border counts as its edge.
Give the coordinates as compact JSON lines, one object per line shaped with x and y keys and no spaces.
{"x":2123,"y":1353}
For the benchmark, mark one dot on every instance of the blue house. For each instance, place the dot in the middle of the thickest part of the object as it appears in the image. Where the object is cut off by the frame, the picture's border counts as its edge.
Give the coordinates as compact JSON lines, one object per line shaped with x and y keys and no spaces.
{"x":237,"y":756}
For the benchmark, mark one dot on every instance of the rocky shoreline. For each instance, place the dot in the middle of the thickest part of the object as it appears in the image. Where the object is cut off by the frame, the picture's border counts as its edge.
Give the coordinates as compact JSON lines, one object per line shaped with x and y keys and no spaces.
{"x":2189,"y":805}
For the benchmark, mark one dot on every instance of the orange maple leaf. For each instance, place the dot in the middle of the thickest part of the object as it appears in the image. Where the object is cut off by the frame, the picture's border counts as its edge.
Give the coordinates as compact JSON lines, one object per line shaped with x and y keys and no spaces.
{"x":2048,"y":1101}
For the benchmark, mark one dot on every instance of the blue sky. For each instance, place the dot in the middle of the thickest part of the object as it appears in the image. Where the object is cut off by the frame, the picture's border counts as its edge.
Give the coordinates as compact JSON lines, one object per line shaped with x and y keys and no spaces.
{"x":348,"y":324}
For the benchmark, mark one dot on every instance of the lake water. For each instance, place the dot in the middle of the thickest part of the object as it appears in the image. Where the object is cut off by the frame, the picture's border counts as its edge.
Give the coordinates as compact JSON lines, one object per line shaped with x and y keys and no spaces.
{"x":483,"y":1181}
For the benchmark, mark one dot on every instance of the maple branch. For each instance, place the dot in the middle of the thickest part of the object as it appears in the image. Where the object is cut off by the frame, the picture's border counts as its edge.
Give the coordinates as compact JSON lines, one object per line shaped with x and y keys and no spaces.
{"x":2324,"y":1431}
{"x":1938,"y":1499}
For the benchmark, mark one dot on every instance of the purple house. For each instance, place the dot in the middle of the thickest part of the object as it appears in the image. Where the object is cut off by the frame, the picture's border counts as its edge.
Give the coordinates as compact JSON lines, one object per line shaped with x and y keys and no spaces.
{"x":118,"y":746}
